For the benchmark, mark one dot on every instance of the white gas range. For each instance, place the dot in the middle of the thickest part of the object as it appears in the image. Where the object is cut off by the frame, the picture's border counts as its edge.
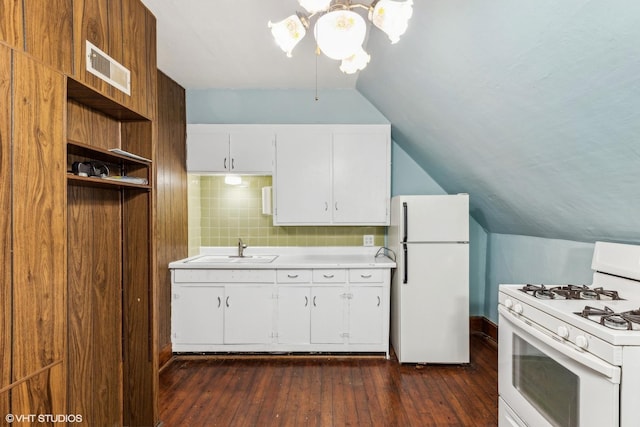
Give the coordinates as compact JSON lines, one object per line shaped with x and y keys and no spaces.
{"x":569,"y":355}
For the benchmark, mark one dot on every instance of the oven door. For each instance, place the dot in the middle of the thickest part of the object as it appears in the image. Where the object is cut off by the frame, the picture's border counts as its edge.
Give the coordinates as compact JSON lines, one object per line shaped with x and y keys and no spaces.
{"x":546,"y":381}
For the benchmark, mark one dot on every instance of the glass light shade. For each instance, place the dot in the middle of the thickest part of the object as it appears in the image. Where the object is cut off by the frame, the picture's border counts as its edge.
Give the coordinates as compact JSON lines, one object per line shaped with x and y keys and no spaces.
{"x":288,"y":33}
{"x":313,"y":6}
{"x":392,"y":17}
{"x":340,"y":33}
{"x":356,"y":62}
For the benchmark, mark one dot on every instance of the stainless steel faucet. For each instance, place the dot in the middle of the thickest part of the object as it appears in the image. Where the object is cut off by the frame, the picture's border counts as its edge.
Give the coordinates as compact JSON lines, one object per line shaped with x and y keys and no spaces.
{"x":241,"y":247}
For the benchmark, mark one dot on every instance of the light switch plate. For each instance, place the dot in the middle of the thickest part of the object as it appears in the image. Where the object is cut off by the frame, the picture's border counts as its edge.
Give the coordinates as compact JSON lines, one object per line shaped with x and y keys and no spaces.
{"x":367,"y":240}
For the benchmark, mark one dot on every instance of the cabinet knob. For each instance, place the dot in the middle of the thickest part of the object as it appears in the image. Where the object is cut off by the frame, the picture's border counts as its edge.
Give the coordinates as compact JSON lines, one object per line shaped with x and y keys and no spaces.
{"x":306,"y":301}
{"x":225,"y":163}
{"x":326,"y":206}
{"x":233,"y":163}
{"x":219,"y":302}
{"x":314,"y":301}
{"x":336,"y":205}
{"x":227,"y":302}
{"x":379,"y":301}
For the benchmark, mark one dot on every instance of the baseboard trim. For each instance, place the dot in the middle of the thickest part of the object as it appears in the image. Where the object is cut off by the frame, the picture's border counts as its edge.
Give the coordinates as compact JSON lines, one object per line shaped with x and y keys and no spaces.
{"x":484,"y":326}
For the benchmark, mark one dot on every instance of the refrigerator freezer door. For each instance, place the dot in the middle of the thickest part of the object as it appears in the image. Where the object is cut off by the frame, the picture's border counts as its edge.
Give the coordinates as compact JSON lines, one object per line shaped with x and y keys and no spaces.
{"x":434,"y":218}
{"x":430,"y":313}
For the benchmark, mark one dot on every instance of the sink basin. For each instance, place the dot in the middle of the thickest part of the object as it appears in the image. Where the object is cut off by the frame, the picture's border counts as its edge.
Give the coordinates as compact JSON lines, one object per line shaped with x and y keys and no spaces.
{"x":226,"y":259}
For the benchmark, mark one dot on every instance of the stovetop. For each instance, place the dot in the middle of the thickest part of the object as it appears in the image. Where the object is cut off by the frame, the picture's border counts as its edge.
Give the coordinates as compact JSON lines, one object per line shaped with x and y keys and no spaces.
{"x":609,"y":311}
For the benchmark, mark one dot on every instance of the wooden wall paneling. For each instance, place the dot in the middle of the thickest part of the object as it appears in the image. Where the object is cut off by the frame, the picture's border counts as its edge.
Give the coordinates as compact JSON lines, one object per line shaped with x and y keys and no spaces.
{"x":138,"y":138}
{"x":11,"y":28}
{"x":39,"y":230}
{"x":135,"y":44}
{"x":5,"y":226}
{"x":91,"y":127}
{"x":95,"y":305}
{"x":171,"y":197}
{"x":48,"y":32}
{"x":151,"y":60}
{"x":100,"y":22}
{"x":140,"y":363}
{"x":42,"y":397}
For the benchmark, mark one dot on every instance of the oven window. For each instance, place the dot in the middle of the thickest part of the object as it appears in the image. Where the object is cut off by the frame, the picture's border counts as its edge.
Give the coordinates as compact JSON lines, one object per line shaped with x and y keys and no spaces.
{"x":550,"y":387}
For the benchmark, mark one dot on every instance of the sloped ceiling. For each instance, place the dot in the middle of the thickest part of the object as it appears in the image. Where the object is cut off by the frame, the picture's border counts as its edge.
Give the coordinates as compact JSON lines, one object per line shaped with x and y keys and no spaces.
{"x":532,"y":107}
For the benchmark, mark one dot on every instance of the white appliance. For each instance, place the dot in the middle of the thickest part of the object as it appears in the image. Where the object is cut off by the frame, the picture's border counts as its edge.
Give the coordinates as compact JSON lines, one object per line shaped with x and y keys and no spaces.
{"x":430,"y":287}
{"x":569,"y":355}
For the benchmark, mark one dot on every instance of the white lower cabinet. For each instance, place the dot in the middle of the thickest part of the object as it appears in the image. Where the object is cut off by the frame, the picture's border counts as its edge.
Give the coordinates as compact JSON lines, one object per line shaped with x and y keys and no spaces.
{"x":366,"y":314}
{"x":294,"y":314}
{"x":327,"y":315}
{"x":197,"y":314}
{"x":305,"y":310}
{"x":248,"y":314}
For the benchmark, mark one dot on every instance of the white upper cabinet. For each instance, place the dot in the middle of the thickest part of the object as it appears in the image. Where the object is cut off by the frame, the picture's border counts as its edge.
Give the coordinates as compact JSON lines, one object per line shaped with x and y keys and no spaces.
{"x":332,"y":175}
{"x":229,"y":149}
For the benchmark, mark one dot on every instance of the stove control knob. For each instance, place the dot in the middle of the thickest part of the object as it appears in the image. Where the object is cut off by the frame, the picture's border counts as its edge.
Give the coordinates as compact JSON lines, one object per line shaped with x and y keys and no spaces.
{"x":518,"y":308}
{"x":563,"y":332}
{"x":508,"y":303}
{"x":581,"y":341}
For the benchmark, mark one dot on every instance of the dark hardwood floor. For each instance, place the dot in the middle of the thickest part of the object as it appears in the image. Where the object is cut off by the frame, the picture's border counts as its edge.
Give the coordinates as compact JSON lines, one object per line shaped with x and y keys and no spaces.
{"x":330,"y":391}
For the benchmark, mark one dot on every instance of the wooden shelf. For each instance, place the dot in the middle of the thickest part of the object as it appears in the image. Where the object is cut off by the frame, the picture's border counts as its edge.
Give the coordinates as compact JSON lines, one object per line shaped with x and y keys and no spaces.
{"x":122,"y":162}
{"x":104,"y":183}
{"x":99,"y":102}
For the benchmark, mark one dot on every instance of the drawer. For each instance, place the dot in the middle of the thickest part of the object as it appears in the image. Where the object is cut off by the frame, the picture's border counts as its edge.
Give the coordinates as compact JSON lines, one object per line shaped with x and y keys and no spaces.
{"x":366,"y":275}
{"x":203,"y":275}
{"x":330,"y":276}
{"x":293,"y":276}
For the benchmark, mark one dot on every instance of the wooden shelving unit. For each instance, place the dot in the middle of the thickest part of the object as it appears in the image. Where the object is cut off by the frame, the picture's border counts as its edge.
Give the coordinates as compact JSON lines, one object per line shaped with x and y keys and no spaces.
{"x":120,"y":164}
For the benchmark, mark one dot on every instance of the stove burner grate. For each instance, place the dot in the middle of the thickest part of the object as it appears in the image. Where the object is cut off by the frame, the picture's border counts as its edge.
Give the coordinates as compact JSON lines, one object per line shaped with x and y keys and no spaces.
{"x":570,"y":292}
{"x":609,"y":318}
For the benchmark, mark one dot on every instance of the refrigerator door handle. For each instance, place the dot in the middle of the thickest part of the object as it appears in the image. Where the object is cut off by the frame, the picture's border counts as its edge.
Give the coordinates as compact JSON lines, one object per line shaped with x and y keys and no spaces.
{"x":405,"y":275}
{"x":405,"y":226}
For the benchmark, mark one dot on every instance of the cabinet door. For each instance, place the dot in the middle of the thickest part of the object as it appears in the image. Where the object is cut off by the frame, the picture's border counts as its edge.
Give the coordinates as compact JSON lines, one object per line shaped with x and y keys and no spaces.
{"x":327,"y":315}
{"x":251,"y":152}
{"x":365,"y":315}
{"x":361,"y":182}
{"x":248,"y":315}
{"x":197,"y":314}
{"x":5,"y":225}
{"x":207,"y":149}
{"x":48,"y":32}
{"x":302,"y":178}
{"x":39,"y":234}
{"x":294,"y":314}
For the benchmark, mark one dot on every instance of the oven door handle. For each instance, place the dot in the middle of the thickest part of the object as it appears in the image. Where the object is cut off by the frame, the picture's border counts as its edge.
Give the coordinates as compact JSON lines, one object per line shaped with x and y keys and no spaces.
{"x":565,"y":347}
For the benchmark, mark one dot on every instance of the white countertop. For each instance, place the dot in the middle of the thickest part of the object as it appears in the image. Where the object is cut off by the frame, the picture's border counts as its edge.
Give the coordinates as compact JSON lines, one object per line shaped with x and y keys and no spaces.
{"x":290,"y":258}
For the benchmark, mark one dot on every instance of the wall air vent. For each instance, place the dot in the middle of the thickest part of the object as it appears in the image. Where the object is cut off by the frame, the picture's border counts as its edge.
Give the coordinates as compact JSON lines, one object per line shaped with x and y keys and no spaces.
{"x":102,"y":65}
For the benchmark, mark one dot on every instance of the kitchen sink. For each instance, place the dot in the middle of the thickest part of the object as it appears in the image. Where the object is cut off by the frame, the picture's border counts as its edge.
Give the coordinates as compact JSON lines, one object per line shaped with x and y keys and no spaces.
{"x":225,"y":259}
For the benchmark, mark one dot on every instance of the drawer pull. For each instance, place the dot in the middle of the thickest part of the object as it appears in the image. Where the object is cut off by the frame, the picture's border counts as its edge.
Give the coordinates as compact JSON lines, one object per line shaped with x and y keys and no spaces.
{"x":227,"y":302}
{"x":314,"y":302}
{"x":378,"y":301}
{"x":306,"y":301}
{"x":219,"y":302}
{"x":292,"y":276}
{"x":328,"y":276}
{"x":366,"y":276}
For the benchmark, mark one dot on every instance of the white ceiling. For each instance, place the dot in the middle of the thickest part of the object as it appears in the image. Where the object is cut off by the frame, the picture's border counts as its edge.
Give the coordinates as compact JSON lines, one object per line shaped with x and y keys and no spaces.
{"x":206,"y":44}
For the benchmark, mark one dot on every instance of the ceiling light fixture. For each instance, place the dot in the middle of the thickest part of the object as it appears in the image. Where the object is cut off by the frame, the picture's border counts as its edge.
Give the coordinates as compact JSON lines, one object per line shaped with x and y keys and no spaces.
{"x":339,"y":31}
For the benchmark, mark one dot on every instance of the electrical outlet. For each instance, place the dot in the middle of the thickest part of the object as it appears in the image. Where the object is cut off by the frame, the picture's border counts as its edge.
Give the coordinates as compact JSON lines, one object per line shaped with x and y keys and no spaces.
{"x":367,"y":240}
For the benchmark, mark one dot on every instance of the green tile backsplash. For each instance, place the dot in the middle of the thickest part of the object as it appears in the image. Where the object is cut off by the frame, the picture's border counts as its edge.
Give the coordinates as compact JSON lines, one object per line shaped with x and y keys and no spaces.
{"x":227,"y":212}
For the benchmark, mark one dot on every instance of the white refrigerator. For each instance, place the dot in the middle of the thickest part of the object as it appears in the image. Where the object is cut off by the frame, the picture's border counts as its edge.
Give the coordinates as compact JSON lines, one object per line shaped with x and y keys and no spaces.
{"x":430,"y":287}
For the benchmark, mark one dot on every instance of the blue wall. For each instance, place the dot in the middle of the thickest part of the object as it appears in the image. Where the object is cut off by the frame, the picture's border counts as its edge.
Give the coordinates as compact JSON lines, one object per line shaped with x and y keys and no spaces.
{"x":338,"y":106}
{"x":525,"y":259}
